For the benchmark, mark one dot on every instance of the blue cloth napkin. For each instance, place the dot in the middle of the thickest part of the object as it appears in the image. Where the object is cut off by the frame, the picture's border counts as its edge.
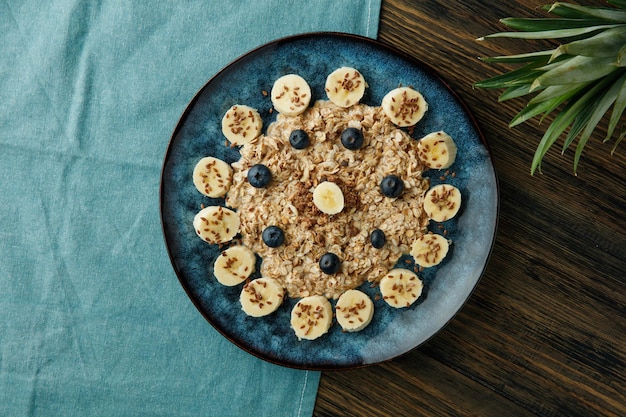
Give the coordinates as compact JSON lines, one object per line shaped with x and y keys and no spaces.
{"x":93,"y":320}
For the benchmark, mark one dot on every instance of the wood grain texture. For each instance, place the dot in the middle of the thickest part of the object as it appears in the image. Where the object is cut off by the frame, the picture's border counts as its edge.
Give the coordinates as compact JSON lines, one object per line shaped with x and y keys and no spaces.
{"x":545,"y":331}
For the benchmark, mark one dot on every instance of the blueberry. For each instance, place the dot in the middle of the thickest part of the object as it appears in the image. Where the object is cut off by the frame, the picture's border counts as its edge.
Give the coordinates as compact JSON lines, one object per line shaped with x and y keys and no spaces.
{"x":273,"y":236}
{"x":378,"y":238}
{"x":329,"y":263}
{"x":259,"y":176}
{"x":352,"y":138}
{"x":392,"y":186}
{"x":299,"y":139}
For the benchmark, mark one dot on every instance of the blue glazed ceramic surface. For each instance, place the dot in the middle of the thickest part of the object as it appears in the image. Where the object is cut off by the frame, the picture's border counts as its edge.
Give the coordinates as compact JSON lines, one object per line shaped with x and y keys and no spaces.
{"x":393,"y":331}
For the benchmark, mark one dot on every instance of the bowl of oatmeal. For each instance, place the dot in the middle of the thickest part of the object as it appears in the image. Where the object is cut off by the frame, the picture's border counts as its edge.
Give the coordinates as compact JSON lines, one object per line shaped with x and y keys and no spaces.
{"x":308,"y":232}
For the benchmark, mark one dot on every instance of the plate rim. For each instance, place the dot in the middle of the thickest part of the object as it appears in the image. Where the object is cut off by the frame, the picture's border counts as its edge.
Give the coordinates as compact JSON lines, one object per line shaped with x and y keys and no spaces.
{"x":375,"y":43}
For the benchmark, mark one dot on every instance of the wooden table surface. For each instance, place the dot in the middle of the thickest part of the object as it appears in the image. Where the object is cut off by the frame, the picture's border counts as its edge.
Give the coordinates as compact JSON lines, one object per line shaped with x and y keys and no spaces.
{"x":544,"y":332}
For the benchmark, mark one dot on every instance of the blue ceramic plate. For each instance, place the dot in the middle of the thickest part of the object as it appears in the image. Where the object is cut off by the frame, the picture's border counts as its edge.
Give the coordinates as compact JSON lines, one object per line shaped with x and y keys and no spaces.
{"x":392,"y":332}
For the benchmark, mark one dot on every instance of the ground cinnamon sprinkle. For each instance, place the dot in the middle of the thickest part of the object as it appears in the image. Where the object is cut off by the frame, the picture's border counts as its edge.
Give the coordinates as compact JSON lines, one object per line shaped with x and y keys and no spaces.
{"x":308,"y":232}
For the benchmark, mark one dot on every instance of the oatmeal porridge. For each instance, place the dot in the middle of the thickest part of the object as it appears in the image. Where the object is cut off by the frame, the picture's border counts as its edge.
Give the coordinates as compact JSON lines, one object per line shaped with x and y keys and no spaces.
{"x":330,"y":197}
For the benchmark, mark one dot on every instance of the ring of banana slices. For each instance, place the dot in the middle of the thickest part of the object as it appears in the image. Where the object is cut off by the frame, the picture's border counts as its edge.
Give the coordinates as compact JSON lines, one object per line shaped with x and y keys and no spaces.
{"x":312,"y":316}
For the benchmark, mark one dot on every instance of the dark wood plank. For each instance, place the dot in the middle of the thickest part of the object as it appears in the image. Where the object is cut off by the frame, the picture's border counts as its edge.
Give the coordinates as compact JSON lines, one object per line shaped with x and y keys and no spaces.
{"x":412,"y":385}
{"x":544,"y":333}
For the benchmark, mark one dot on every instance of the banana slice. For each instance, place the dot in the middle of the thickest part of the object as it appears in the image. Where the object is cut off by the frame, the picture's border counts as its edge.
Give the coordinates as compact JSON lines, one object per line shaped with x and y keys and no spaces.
{"x":328,"y":197}
{"x":429,"y":249}
{"x":261,"y":297}
{"x":212,"y":177}
{"x":241,"y":124}
{"x":216,"y":224}
{"x":354,"y":310}
{"x":437,"y":150}
{"x":291,"y":95}
{"x":345,"y":86}
{"x":442,"y":202}
{"x":234,"y":265}
{"x":404,"y":106}
{"x":311,"y":317}
{"x":400,"y":287}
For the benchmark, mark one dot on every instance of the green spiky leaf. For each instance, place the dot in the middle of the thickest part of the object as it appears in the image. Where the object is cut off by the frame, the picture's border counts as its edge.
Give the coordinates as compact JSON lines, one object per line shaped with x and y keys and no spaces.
{"x":618,"y":109}
{"x":520,"y":76}
{"x":575,"y":11}
{"x":579,"y":69}
{"x":541,"y":56}
{"x":563,"y":91}
{"x":618,"y":3}
{"x":552,"y":34}
{"x":605,"y":44}
{"x":581,"y":80}
{"x":514,"y":92}
{"x":550,"y":24}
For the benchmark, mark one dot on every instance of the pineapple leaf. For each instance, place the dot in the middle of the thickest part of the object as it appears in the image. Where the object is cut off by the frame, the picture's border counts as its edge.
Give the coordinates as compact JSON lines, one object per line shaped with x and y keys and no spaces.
{"x":536,"y":24}
{"x":520,"y":58}
{"x":536,"y":109}
{"x":583,"y":78}
{"x":561,"y":122}
{"x":621,"y":57}
{"x":618,"y":3}
{"x":555,"y":34}
{"x":519,"y":76}
{"x":596,"y":111}
{"x":618,"y":141}
{"x":557,"y":62}
{"x":618,"y":108}
{"x":579,"y":150}
{"x":558,"y":125}
{"x":577,"y":70}
{"x":514,"y":92}
{"x":605,"y":44}
{"x":564,"y":90}
{"x":577,"y":126}
{"x":574,"y":11}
